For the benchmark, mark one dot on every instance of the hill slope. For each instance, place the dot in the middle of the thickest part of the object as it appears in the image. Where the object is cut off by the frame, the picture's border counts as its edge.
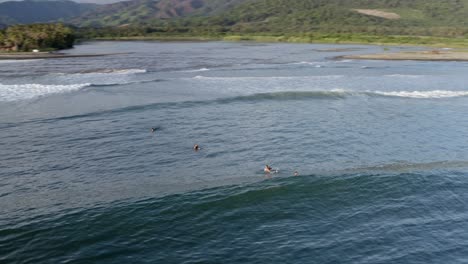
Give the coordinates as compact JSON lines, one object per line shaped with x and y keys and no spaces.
{"x":307,"y":14}
{"x":145,"y":11}
{"x":27,"y":12}
{"x":426,"y":17}
{"x":375,"y":17}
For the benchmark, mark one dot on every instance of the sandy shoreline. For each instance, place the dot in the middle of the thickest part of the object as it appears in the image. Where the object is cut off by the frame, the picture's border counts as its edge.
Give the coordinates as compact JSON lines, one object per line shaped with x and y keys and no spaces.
{"x":420,"y":55}
{"x":433,"y":55}
{"x":32,"y":56}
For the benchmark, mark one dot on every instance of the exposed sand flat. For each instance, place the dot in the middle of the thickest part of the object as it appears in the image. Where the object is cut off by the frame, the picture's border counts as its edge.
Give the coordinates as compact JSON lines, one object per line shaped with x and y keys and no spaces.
{"x":421,"y":55}
{"x":378,"y":13}
{"x":45,"y":55}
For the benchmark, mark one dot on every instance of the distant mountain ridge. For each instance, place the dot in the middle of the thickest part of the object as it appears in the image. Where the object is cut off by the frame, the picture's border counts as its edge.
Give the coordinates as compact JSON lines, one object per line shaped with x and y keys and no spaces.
{"x":145,"y":11}
{"x":34,"y":11}
{"x":301,"y":15}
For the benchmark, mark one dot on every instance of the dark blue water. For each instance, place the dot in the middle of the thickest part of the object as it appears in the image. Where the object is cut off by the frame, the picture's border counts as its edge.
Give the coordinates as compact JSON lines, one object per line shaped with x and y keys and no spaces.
{"x":381,"y":149}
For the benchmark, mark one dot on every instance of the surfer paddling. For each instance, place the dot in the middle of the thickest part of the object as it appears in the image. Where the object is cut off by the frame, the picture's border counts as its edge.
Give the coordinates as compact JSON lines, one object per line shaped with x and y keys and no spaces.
{"x":267,"y":169}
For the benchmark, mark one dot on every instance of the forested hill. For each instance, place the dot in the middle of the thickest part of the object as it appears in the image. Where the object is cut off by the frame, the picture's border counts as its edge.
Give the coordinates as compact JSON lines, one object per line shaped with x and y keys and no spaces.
{"x":448,"y":18}
{"x":37,"y":11}
{"x":139,"y":12}
{"x":426,"y":17}
{"x":422,"y":17}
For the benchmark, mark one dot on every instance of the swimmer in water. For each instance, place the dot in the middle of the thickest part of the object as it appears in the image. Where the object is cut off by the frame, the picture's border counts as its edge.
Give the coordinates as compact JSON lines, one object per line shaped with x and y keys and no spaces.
{"x":296,"y":173}
{"x":196,"y":147}
{"x":153,"y":129}
{"x":267,"y":169}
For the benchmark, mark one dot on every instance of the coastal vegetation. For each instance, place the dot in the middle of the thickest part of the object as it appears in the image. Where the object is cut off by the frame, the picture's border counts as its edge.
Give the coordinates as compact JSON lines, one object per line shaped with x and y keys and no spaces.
{"x":36,"y":36}
{"x":444,"y":18}
{"x":416,"y":22}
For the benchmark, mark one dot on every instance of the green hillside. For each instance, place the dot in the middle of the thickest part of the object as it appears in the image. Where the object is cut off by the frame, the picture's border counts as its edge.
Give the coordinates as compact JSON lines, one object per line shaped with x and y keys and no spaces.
{"x":446,"y":18}
{"x":388,"y":21}
{"x":139,"y":12}
{"x":417,"y":17}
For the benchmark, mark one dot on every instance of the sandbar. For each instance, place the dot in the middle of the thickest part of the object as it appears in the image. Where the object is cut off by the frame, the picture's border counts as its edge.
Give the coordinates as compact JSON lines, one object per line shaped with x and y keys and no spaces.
{"x":433,"y":55}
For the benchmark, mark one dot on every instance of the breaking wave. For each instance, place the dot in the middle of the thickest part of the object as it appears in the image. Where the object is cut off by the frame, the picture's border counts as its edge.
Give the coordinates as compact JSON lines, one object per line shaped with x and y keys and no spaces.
{"x":114,"y":71}
{"x":197,"y":70}
{"x":326,"y":77}
{"x":424,"y":94}
{"x":404,"y":75}
{"x":311,"y":63}
{"x":342,"y":94}
{"x":18,"y":61}
{"x":15,"y":92}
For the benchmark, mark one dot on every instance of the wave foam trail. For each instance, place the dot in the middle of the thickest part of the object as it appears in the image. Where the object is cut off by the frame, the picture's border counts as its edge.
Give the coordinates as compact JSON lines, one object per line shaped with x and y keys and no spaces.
{"x":316,"y":64}
{"x":114,"y":71}
{"x":17,"y":92}
{"x":343,"y":94}
{"x":99,"y":77}
{"x":198,"y":70}
{"x":263,"y":78}
{"x":18,"y":61}
{"x":423,"y":94}
{"x":404,"y":75}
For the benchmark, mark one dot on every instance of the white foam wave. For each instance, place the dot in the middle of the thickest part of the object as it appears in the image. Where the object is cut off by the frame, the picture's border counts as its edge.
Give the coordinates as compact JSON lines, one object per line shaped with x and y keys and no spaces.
{"x":115,"y":71}
{"x":97,"y":77}
{"x":403,"y":75}
{"x":198,"y":70}
{"x":15,"y":92}
{"x":302,"y":62}
{"x":130,"y":71}
{"x":200,"y":77}
{"x":18,"y":61}
{"x":312,"y":63}
{"x":423,"y":94}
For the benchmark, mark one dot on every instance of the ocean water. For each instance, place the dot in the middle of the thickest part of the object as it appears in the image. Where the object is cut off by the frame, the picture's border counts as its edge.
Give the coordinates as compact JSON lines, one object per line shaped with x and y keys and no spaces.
{"x":381,"y":148}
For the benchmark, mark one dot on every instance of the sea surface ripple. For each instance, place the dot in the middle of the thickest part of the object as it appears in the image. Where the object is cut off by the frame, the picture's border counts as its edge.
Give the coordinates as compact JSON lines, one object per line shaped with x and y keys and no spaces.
{"x":381,"y":149}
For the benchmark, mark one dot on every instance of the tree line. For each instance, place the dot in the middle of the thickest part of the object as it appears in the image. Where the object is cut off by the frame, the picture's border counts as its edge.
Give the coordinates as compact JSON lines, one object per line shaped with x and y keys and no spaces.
{"x":36,"y":36}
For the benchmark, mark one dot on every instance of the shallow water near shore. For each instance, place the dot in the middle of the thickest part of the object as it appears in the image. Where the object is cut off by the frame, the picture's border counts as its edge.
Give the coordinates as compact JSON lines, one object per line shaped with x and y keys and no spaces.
{"x":381,"y":148}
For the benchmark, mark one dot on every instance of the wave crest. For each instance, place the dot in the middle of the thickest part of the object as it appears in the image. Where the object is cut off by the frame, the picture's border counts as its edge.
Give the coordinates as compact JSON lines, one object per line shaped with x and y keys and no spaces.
{"x":342,"y":94}
{"x":423,"y":94}
{"x":15,"y":92}
{"x":197,"y":70}
{"x":113,"y":71}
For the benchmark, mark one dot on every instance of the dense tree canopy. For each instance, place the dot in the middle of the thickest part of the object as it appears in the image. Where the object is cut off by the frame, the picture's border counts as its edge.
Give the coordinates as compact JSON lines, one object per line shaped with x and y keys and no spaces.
{"x":36,"y":36}
{"x":441,"y":18}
